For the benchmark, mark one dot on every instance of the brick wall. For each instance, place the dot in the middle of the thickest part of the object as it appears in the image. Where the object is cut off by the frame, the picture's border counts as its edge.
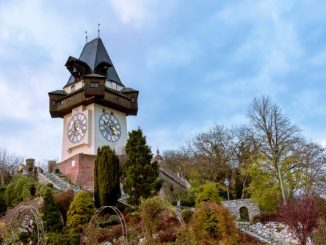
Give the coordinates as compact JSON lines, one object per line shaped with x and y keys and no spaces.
{"x":79,"y":169}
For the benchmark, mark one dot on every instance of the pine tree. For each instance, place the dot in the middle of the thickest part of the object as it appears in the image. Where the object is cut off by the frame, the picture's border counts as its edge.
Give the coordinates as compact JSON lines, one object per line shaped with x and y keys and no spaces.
{"x":106,"y":177}
{"x":141,"y":175}
{"x":51,"y":214}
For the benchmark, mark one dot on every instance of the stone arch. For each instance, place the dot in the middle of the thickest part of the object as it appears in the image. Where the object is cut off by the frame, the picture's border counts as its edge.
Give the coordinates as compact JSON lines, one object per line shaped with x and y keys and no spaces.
{"x":234,"y":207}
{"x":244,"y":213}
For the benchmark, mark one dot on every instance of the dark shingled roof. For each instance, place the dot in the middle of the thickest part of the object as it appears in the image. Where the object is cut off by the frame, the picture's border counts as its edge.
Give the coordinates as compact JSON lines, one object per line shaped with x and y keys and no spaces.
{"x":61,"y":92}
{"x":128,"y":90}
{"x":94,"y":53}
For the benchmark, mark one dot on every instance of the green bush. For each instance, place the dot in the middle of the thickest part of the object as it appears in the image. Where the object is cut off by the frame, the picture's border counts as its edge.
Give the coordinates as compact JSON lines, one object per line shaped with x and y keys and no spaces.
{"x":112,"y":220}
{"x":208,"y":192}
{"x":56,"y":238}
{"x":20,"y":189}
{"x":3,"y":204}
{"x":51,"y":215}
{"x":81,"y":210}
{"x":186,"y":215}
{"x":189,"y":199}
{"x":69,"y":236}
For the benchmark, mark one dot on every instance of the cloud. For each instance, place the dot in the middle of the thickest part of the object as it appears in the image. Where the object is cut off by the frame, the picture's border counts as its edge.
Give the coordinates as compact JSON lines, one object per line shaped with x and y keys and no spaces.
{"x":140,"y":13}
{"x":176,"y":53}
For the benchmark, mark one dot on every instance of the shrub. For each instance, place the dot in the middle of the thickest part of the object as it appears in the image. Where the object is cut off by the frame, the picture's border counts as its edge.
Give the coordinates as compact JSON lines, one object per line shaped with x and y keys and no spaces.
{"x":265,"y":217}
{"x":189,"y":199}
{"x":81,"y":210}
{"x":150,"y":209}
{"x":185,"y":235}
{"x":63,"y":201}
{"x":51,"y":214}
{"x":112,"y":220}
{"x":214,"y":222}
{"x":20,"y":189}
{"x":186,"y":215}
{"x":3,"y":204}
{"x":55,"y":238}
{"x":50,"y":185}
{"x":208,"y":192}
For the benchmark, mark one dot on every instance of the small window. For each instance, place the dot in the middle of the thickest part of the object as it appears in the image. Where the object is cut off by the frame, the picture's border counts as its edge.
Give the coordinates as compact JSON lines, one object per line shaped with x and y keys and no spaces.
{"x":132,"y":99}
{"x":72,"y":88}
{"x":94,"y":85}
{"x":73,"y":163}
{"x":53,"y":102}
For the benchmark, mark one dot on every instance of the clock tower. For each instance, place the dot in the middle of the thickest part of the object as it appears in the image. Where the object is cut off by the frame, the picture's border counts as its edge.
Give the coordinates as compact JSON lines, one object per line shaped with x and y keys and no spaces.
{"x":94,"y":105}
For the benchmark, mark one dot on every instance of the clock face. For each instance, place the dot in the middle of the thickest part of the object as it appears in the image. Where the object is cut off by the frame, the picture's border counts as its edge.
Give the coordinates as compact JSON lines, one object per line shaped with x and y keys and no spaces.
{"x":109,"y":127}
{"x":77,"y":128}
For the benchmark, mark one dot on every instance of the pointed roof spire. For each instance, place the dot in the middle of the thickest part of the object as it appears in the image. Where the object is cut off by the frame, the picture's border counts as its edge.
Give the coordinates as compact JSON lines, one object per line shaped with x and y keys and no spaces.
{"x":94,"y":54}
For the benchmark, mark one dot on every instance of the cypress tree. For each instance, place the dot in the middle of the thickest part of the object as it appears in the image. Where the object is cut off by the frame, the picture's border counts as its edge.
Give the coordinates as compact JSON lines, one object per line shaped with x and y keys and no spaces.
{"x":141,"y":175}
{"x":106,"y":177}
{"x":51,"y":214}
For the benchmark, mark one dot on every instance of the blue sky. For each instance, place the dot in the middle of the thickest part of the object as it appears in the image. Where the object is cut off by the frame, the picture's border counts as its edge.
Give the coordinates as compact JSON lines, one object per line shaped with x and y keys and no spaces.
{"x":195,"y":63}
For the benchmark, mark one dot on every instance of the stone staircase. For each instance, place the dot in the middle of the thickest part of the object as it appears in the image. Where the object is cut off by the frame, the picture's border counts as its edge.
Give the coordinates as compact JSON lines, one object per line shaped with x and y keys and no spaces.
{"x":58,"y":182}
{"x":264,"y":237}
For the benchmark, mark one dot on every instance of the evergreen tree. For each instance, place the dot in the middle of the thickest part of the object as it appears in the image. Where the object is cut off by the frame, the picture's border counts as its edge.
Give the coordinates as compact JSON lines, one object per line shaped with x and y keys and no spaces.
{"x":106,"y":177}
{"x":141,"y":175}
{"x":51,"y":214}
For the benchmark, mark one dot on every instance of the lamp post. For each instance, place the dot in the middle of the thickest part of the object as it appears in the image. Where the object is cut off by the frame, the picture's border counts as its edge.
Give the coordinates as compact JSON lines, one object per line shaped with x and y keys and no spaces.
{"x":227,"y":183}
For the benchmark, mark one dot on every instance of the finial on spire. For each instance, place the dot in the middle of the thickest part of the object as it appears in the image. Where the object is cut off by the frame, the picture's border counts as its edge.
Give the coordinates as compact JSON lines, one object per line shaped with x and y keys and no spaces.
{"x":86,"y":37}
{"x":158,"y":151}
{"x":98,"y":30}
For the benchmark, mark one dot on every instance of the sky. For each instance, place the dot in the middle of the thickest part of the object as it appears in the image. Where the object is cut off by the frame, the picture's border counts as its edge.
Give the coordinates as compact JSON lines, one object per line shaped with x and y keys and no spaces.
{"x":196,"y":64}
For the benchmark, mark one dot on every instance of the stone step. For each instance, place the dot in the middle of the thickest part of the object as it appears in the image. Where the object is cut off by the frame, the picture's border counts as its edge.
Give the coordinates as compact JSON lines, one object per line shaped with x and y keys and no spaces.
{"x":58,"y":182}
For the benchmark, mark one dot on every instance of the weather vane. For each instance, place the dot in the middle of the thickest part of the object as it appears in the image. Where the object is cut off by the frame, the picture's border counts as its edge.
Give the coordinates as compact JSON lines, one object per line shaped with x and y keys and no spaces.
{"x":86,"y":37}
{"x":98,"y":29}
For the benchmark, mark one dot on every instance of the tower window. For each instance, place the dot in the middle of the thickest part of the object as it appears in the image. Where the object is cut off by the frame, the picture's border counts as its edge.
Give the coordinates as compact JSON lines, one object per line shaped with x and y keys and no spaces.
{"x":132,"y":99}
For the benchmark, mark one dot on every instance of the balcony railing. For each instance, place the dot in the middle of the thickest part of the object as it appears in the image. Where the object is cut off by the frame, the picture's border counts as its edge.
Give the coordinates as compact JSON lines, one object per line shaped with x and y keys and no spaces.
{"x":58,"y":108}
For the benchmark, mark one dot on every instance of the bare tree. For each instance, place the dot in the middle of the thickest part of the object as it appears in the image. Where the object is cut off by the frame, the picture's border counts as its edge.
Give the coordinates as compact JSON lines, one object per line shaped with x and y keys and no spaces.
{"x":245,"y":152}
{"x":9,"y":163}
{"x":179,"y":161}
{"x":212,"y":152}
{"x":312,"y":167}
{"x":277,"y":136}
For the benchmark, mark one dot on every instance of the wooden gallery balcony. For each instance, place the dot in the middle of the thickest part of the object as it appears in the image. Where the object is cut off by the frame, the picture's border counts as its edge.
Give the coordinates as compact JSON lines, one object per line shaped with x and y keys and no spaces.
{"x":62,"y":103}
